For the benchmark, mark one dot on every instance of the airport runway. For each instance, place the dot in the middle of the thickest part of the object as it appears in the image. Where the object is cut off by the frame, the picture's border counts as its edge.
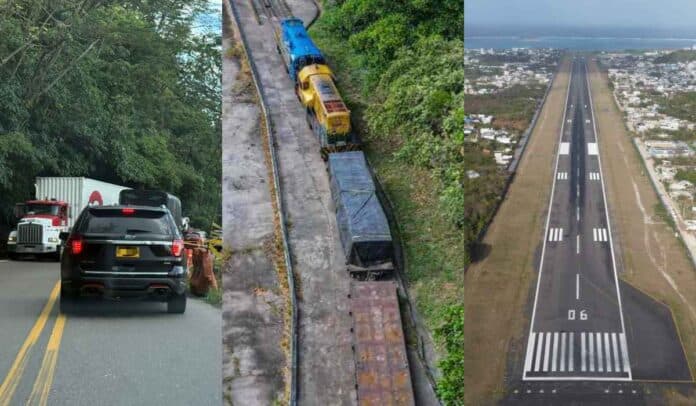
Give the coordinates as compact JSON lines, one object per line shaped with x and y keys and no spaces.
{"x":577,"y":330}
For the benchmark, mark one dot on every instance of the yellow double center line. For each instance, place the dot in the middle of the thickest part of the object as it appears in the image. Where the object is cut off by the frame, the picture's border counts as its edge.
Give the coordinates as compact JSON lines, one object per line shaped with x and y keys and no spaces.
{"x":39,"y":393}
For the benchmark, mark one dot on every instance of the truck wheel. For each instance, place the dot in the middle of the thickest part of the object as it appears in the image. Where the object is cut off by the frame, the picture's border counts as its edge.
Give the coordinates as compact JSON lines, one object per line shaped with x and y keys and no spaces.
{"x":13,"y":256}
{"x":177,"y":304}
{"x":56,"y":256}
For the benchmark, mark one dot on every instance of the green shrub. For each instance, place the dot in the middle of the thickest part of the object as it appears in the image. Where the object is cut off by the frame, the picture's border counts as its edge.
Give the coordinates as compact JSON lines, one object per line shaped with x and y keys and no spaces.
{"x":450,"y":334}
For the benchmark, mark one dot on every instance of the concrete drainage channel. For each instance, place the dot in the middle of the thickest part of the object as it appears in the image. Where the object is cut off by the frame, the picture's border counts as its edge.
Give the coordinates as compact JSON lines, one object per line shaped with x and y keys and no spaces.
{"x":268,"y":125}
{"x":346,"y":383}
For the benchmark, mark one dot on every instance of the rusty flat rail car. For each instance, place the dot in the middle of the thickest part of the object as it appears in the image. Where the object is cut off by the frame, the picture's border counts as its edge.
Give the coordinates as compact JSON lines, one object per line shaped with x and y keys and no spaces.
{"x":382,"y":372}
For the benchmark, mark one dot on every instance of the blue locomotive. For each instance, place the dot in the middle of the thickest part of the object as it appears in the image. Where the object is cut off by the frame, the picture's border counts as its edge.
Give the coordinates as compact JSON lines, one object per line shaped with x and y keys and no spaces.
{"x":296,"y":47}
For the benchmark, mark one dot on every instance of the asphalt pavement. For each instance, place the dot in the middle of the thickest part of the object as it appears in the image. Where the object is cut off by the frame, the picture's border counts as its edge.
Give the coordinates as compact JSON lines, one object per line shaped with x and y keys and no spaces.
{"x":577,"y":328}
{"x":593,"y":338}
{"x":106,"y":352}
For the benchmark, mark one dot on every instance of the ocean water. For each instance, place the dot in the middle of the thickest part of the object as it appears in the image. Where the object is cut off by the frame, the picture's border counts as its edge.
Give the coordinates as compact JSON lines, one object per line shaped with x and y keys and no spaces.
{"x":594,"y":43}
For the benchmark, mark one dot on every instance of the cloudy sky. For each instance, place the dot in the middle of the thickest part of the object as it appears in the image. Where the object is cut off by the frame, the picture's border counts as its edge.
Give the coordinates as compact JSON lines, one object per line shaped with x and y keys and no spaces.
{"x":666,"y":16}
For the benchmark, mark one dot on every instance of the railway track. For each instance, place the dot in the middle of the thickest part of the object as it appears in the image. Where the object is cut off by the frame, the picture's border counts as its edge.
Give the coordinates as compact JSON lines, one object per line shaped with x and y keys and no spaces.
{"x":271,"y":9}
{"x":366,"y":368}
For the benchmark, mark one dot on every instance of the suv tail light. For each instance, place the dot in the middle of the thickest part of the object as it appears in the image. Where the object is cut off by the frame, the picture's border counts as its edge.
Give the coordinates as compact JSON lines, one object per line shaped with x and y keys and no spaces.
{"x":177,"y":247}
{"x":128,"y":211}
{"x":75,"y":244}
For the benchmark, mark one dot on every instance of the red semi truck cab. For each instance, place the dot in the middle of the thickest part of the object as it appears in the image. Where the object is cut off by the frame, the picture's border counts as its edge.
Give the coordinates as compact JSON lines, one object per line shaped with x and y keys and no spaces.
{"x":54,"y":210}
{"x":39,"y":227}
{"x":58,"y":203}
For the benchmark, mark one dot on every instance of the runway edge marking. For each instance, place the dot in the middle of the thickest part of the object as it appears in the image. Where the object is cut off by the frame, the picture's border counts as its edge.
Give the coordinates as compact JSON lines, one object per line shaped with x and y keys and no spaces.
{"x":548,"y":215}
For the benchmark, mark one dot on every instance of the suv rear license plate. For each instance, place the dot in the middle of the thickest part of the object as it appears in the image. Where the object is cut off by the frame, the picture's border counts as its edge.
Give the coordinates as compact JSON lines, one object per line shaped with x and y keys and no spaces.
{"x":127,"y":252}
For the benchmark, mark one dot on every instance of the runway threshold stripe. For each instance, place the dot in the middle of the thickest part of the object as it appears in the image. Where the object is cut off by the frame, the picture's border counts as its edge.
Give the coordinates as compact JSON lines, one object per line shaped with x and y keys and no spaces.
{"x":563,"y":352}
{"x":537,"y":360}
{"x":583,"y":348}
{"x":571,"y":352}
{"x":530,"y":352}
{"x":591,"y":351}
{"x":607,"y":349}
{"x":600,"y":354}
{"x":624,"y":352}
{"x":617,"y":362}
{"x":555,"y":352}
{"x":547,"y":347}
{"x":11,"y":381}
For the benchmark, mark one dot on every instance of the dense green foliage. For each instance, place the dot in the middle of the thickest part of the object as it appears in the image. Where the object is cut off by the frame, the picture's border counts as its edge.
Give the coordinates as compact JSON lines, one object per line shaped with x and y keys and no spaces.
{"x":680,"y":105}
{"x":410,"y":56}
{"x":121,"y":91}
{"x":686,"y":174}
{"x":400,"y":68}
{"x":513,"y":106}
{"x":377,"y":30}
{"x":682,"y":55}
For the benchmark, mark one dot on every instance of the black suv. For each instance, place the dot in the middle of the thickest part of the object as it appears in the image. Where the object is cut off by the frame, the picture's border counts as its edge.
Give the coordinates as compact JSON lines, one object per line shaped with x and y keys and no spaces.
{"x":124,"y":251}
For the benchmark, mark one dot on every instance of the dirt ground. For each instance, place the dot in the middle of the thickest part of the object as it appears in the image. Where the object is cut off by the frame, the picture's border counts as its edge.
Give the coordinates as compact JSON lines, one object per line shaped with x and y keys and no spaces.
{"x":498,"y":288}
{"x":654,"y":260}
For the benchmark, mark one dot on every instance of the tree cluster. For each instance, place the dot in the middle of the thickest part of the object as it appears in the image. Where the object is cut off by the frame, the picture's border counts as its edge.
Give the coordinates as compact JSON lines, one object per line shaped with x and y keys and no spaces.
{"x":121,"y":91}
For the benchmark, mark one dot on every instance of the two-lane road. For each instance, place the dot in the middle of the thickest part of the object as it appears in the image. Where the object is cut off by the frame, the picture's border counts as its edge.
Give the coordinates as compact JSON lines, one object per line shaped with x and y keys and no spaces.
{"x":577,"y":330}
{"x":112,"y":353}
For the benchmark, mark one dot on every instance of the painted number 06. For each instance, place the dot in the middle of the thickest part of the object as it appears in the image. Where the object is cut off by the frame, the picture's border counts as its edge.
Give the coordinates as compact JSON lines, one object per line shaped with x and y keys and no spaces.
{"x":571,"y":314}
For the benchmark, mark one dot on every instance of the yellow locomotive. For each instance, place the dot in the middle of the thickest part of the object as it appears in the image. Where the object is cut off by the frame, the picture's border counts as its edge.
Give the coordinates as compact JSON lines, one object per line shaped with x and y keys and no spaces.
{"x":327,"y":114}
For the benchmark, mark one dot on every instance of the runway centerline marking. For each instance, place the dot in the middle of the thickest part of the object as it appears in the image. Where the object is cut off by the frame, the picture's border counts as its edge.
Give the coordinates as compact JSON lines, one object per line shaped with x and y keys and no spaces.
{"x":577,"y":286}
{"x":11,"y":381}
{"x":577,"y":244}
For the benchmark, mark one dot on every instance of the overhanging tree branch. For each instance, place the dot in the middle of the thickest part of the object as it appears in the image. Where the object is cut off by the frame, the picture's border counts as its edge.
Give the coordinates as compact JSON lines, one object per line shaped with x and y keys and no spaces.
{"x":64,"y":72}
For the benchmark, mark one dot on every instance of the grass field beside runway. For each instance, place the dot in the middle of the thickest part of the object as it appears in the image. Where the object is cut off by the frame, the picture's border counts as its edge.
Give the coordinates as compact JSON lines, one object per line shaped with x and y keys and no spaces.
{"x":653,"y":259}
{"x":498,"y":288}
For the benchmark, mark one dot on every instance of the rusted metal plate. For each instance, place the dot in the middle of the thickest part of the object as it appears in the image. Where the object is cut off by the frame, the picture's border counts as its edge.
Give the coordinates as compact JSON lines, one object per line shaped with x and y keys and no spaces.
{"x":381,"y":364}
